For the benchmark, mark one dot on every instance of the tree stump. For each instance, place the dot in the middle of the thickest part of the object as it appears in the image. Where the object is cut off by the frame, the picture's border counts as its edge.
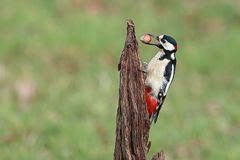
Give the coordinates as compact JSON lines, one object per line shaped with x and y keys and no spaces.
{"x":132,"y":123}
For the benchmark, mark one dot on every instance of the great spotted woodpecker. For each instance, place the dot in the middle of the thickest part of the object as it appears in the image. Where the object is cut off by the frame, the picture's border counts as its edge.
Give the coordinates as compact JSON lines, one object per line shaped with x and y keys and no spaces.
{"x":159,"y":72}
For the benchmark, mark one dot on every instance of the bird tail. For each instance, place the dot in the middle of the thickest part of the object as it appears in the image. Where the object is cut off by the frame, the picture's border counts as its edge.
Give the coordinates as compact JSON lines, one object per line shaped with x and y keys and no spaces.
{"x":155,"y":115}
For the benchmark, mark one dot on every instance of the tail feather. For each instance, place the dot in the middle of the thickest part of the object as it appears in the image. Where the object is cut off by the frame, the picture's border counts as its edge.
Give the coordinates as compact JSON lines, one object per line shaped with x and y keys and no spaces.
{"x":155,"y":115}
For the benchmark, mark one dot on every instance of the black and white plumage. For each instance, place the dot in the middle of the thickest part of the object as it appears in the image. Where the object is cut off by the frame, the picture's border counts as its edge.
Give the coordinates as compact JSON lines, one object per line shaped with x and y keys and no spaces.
{"x":160,"y":72}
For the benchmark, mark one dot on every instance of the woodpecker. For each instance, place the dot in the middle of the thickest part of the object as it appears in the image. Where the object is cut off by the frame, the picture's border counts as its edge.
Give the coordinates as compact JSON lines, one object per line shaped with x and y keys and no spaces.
{"x":159,"y":72}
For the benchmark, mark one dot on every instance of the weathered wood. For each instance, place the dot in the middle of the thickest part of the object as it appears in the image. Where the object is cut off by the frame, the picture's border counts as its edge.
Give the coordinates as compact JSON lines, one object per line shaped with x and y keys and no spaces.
{"x":133,"y":125}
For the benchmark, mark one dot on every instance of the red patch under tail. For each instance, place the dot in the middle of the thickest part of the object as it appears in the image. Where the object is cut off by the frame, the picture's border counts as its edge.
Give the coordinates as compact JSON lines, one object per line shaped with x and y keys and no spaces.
{"x":150,"y":101}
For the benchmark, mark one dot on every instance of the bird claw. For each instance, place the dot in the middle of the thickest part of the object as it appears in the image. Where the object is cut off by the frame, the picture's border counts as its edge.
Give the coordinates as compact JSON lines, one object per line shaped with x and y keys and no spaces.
{"x":144,"y":68}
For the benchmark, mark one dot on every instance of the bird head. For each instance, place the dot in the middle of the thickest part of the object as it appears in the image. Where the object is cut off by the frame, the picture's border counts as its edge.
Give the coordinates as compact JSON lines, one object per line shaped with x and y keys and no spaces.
{"x":164,"y":42}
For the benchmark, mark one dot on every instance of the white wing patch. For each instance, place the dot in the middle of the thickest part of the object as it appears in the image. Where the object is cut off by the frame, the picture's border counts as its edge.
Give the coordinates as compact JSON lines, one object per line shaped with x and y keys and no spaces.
{"x":170,"y":81}
{"x":168,"y":46}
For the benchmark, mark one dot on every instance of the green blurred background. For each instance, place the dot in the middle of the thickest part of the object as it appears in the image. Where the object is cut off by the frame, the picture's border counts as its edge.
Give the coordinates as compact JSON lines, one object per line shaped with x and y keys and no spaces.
{"x":59,"y":79}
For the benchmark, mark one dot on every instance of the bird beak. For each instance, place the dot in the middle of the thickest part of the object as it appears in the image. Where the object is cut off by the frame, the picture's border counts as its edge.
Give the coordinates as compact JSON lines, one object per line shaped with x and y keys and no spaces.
{"x":153,"y":41}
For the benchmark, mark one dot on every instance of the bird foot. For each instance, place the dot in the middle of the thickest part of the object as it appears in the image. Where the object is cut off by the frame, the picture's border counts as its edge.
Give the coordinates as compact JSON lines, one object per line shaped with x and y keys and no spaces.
{"x":144,"y":68}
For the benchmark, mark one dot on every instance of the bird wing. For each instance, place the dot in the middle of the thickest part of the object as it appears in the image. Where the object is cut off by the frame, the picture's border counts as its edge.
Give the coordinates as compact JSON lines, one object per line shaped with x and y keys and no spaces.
{"x":169,"y":75}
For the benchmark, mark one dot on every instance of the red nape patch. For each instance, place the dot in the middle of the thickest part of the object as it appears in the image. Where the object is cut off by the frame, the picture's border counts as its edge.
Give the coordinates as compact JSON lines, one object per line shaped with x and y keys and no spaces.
{"x":150,"y":101}
{"x":176,"y":47}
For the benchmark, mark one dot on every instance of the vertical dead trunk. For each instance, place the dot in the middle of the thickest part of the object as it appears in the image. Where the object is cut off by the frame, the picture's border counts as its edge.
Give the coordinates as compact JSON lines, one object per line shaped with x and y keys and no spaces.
{"x":132,"y":130}
{"x":132,"y":119}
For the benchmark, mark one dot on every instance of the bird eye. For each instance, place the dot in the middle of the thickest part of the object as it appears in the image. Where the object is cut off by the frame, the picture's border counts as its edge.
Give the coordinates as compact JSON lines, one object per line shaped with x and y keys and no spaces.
{"x":163,"y":40}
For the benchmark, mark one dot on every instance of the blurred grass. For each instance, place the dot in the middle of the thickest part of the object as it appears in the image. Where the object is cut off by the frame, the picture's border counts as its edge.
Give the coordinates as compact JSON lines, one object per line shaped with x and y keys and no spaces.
{"x":59,"y":79}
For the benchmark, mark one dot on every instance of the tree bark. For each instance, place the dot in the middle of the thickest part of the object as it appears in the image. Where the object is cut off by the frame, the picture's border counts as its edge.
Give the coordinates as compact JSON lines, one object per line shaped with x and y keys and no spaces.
{"x":132,"y":119}
{"x":132,"y":123}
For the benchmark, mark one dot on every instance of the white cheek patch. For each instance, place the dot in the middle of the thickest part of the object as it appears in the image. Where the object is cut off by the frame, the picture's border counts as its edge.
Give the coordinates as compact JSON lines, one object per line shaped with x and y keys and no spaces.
{"x":168,"y":46}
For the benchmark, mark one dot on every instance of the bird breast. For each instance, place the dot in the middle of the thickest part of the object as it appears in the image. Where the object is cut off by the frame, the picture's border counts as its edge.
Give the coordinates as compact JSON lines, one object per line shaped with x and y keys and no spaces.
{"x":155,"y":74}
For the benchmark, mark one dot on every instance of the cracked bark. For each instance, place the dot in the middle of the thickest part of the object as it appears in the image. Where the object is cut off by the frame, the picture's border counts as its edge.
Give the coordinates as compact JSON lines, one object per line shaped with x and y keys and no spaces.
{"x":132,"y":123}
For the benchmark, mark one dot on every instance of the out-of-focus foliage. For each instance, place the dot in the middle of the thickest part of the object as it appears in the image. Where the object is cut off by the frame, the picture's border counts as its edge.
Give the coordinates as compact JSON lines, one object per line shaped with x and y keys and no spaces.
{"x":59,"y":79}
